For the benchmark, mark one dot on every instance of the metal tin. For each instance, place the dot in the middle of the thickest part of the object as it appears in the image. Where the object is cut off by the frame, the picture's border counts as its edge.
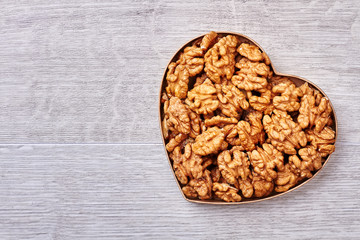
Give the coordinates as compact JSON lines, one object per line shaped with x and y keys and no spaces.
{"x":297,"y":80}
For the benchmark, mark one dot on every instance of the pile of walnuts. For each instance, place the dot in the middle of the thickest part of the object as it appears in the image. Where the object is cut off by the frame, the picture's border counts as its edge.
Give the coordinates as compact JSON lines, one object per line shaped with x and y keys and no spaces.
{"x":233,"y":129}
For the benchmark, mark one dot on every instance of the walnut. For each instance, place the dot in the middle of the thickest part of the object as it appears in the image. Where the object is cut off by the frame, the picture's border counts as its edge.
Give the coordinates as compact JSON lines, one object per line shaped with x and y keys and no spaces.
{"x":187,"y":165}
{"x":231,"y":100}
{"x":265,"y":159}
{"x":252,"y":75}
{"x":233,"y":167}
{"x":262,"y":188}
{"x":312,"y":161}
{"x":248,"y":82}
{"x":288,"y":101}
{"x":192,"y":59}
{"x":255,"y":117}
{"x":252,"y":52}
{"x":210,"y":141}
{"x":189,"y":64}
{"x":176,"y":141}
{"x":220,"y":121}
{"x":203,"y":185}
{"x":202,"y":99}
{"x":297,"y":169}
{"x":322,"y":141}
{"x":226,"y":192}
{"x":179,"y":118}
{"x":255,"y":68}
{"x":287,"y":178}
{"x":312,"y":113}
{"x":307,"y":90}
{"x":220,"y":59}
{"x":246,"y":187}
{"x":247,"y":133}
{"x":235,"y":170}
{"x":177,"y":80}
{"x":239,"y":135}
{"x":283,"y":132}
{"x":189,"y":191}
{"x":208,"y":40}
{"x":264,"y":102}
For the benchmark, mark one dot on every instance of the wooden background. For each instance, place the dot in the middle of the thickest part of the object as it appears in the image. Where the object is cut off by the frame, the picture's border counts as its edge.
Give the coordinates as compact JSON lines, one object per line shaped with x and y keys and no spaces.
{"x":80,"y":149}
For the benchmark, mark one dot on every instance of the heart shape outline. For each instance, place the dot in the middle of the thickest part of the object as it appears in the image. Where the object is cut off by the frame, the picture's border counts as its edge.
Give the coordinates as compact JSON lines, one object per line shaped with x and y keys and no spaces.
{"x":297,"y":81}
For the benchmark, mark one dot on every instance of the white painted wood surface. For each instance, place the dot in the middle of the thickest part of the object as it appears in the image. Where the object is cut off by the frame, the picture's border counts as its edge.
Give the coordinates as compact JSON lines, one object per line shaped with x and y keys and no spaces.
{"x":80,"y":148}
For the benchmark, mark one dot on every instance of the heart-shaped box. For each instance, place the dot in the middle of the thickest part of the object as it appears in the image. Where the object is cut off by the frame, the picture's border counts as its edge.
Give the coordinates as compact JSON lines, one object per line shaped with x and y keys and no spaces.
{"x":298,"y":82}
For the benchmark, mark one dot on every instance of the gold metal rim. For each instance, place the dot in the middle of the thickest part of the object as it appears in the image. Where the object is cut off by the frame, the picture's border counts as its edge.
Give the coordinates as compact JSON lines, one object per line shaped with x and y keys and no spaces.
{"x":216,"y":202}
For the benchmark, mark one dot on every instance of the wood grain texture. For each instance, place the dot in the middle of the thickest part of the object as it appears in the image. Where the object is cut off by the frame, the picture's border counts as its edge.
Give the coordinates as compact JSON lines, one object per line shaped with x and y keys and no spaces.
{"x":80,"y":148}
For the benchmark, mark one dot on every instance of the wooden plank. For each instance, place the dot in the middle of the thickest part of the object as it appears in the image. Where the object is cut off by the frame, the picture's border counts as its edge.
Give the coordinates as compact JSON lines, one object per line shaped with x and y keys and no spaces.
{"x":88,"y":72}
{"x":127,"y":191}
